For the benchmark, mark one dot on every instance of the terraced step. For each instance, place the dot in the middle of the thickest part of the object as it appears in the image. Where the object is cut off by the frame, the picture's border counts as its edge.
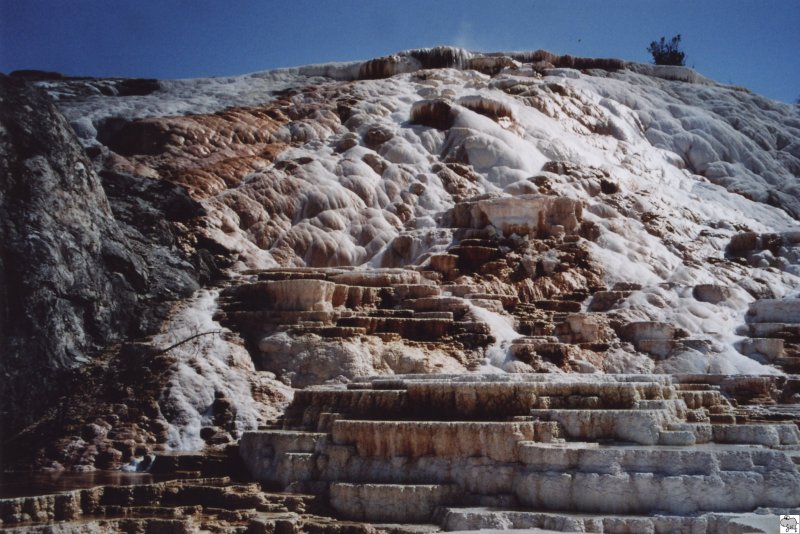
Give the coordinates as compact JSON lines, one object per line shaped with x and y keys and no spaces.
{"x":681,"y":438}
{"x":427,"y":329}
{"x":331,"y":331}
{"x":414,"y":439}
{"x":785,"y":331}
{"x":281,"y":455}
{"x":402,"y":503}
{"x":637,"y":426}
{"x":702,"y":431}
{"x":700,"y":398}
{"x":710,"y":477}
{"x":596,"y":444}
{"x":564,"y":306}
{"x":605,"y":300}
{"x":774,"y":310}
{"x":310,"y":403}
{"x":771,"y":435}
{"x":472,"y":519}
{"x":592,"y":457}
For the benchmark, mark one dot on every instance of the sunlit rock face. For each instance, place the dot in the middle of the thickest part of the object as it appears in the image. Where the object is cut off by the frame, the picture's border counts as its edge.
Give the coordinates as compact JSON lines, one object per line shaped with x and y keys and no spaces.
{"x":459,"y":449}
{"x":462,"y":215}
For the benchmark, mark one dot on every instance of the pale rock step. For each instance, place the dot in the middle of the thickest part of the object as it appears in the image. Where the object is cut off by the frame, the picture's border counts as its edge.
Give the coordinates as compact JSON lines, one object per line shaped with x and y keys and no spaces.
{"x":494,"y":438}
{"x":354,"y":402}
{"x":726,"y":489}
{"x":702,"y":431}
{"x":404,"y":503}
{"x":489,"y":520}
{"x":774,"y":310}
{"x":444,"y":263}
{"x":771,"y":435}
{"x":415,"y":291}
{"x":388,"y":439}
{"x":701,"y":398}
{"x":637,"y":426}
{"x":770,"y":348}
{"x":770,"y":330}
{"x":589,"y":457}
{"x":439,"y":304}
{"x":605,"y":300}
{"x":676,"y":437}
{"x":280,"y":455}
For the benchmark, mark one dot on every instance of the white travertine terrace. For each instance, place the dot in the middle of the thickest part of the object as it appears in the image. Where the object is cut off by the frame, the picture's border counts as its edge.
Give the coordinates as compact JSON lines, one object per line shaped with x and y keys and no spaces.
{"x":429,"y":449}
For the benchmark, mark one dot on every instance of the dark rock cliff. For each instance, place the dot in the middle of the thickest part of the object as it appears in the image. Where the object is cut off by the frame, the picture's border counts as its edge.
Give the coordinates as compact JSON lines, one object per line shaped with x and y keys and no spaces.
{"x":77,"y":271}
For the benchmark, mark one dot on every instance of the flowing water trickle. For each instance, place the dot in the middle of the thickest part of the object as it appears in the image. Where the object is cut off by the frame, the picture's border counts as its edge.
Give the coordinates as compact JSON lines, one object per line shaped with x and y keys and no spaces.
{"x":502,"y":329}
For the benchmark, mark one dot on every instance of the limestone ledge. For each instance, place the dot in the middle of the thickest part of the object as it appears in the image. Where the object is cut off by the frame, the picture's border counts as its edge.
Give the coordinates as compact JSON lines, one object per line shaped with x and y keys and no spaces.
{"x":569,"y":443}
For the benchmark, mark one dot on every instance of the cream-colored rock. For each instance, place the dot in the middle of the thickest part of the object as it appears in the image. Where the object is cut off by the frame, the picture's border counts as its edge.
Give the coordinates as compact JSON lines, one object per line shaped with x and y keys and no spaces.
{"x":529,"y":214}
{"x":309,"y":360}
{"x":491,"y":65}
{"x":537,"y":215}
{"x":609,"y":492}
{"x":497,"y":440}
{"x":774,"y":311}
{"x":637,"y":426}
{"x":649,"y":330}
{"x":444,"y":263}
{"x":771,"y":348}
{"x":589,"y":328}
{"x":299,"y":295}
{"x":378,"y":277}
{"x":769,"y":435}
{"x":274,"y":455}
{"x":390,"y":502}
{"x":388,"y":439}
{"x":486,"y":520}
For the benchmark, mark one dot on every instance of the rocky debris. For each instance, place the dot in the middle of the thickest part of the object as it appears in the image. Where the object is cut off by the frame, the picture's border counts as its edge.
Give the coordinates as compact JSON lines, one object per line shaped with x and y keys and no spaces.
{"x":505,"y":442}
{"x":712,"y":293}
{"x":780,"y":250}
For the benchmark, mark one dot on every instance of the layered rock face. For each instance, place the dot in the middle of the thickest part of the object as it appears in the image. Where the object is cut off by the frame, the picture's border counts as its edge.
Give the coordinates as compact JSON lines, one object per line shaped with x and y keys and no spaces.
{"x":540,"y":291}
{"x":462,"y":450}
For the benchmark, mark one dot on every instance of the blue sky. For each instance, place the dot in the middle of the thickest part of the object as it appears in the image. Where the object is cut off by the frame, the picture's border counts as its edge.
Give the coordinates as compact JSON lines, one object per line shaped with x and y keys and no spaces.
{"x":754,"y":43}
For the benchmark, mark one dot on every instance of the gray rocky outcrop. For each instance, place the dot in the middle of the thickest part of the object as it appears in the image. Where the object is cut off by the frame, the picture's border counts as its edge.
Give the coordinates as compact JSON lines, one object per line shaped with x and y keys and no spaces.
{"x":77,"y":271}
{"x":67,"y":274}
